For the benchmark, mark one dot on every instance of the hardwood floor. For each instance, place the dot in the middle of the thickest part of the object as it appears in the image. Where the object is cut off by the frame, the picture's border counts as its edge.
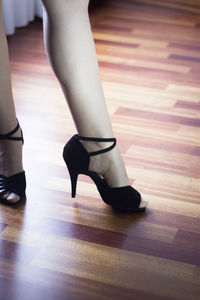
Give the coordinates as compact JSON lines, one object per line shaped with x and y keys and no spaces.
{"x":56,"y":247}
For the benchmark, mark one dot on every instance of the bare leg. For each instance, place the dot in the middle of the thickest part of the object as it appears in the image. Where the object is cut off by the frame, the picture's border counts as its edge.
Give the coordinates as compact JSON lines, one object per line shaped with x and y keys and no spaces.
{"x":10,"y":151}
{"x":71,"y":52}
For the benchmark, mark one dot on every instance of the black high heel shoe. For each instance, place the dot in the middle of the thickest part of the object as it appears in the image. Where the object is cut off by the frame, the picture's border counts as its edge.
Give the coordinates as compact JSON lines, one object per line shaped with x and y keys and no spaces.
{"x":77,"y":160}
{"x":15,"y":183}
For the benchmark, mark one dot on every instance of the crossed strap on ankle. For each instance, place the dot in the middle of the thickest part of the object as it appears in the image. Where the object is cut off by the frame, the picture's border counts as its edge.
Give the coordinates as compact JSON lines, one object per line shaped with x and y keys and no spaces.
{"x":94,"y":139}
{"x":8,"y":136}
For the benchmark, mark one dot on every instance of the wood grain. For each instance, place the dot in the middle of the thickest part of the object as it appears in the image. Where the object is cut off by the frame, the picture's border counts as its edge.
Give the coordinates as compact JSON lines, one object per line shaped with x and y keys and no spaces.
{"x":56,"y":247}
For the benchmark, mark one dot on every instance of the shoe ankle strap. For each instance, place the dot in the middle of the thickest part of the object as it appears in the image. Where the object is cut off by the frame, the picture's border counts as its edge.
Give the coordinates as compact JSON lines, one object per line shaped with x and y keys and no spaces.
{"x":8,"y":136}
{"x":94,"y":139}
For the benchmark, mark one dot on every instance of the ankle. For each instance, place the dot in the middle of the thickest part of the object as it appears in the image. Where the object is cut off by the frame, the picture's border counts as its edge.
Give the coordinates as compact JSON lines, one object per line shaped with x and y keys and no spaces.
{"x":108,"y":163}
{"x":6,"y":127}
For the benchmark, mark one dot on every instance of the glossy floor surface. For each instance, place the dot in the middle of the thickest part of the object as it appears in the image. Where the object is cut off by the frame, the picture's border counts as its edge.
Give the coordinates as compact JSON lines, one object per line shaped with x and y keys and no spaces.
{"x":56,"y":247}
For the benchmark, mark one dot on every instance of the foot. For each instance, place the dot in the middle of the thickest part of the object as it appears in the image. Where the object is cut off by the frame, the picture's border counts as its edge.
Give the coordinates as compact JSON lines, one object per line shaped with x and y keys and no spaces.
{"x":11,"y":162}
{"x":110,"y":165}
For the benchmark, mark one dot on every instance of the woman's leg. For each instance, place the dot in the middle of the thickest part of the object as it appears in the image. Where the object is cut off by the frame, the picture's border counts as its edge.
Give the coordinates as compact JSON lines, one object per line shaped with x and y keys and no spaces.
{"x":10,"y":151}
{"x":71,"y":51}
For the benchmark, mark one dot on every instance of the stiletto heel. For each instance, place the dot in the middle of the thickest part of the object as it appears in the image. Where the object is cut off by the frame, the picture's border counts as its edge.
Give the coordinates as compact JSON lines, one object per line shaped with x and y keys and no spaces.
{"x":77,"y":160}
{"x":73,"y":177}
{"x":15,"y":183}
